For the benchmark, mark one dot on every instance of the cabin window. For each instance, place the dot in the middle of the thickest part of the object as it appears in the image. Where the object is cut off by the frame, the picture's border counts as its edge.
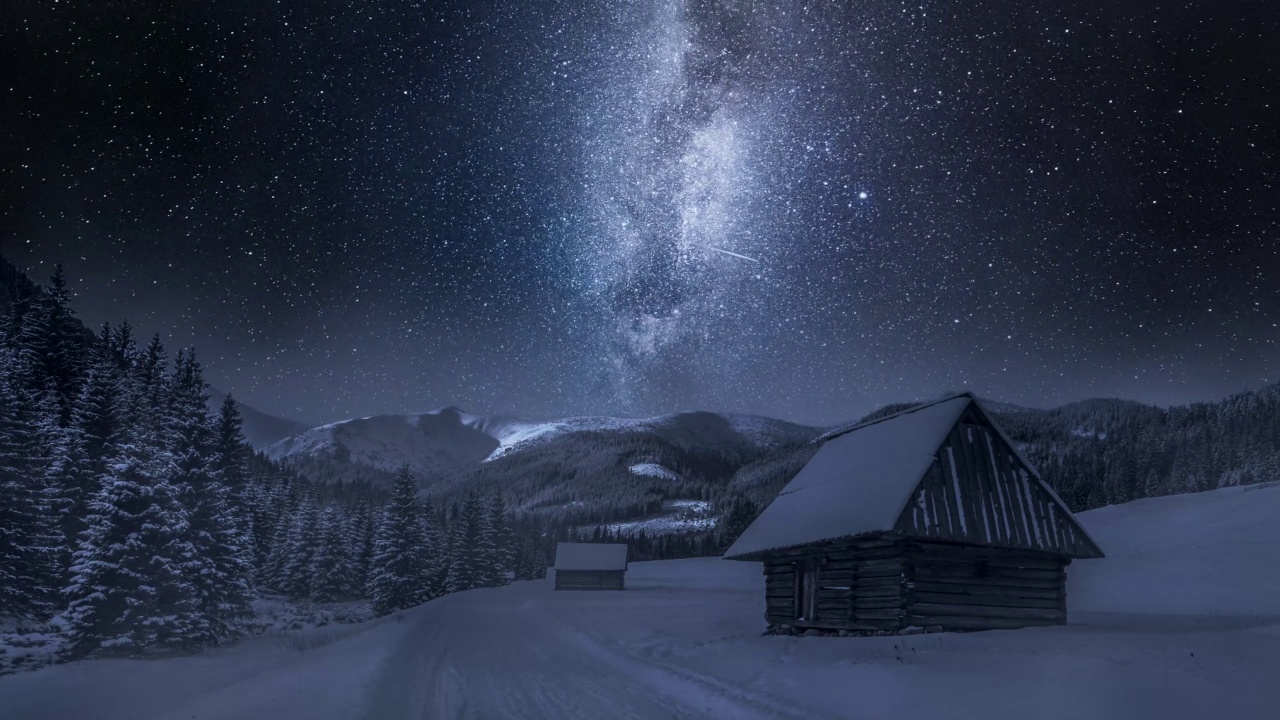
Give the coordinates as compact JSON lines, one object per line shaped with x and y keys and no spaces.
{"x":806,"y":599}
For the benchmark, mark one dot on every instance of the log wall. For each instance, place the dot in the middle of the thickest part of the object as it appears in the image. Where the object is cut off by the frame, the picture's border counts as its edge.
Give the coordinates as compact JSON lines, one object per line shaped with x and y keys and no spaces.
{"x":861,"y":585}
{"x":590,"y":580}
{"x":965,"y":587}
{"x":889,"y":583}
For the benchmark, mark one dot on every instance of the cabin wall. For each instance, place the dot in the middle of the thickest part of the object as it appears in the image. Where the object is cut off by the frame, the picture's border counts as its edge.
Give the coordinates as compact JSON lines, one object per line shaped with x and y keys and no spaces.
{"x":880,"y":577}
{"x":860,"y":585}
{"x":890,"y":584}
{"x":965,"y":587}
{"x":590,"y":580}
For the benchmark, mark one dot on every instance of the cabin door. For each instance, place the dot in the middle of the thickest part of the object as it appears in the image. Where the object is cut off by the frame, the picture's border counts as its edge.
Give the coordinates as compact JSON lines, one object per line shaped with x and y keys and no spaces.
{"x":807,"y":590}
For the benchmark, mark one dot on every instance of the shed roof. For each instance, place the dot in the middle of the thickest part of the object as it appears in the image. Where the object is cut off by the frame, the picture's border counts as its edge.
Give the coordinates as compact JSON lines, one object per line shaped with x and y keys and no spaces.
{"x":591,"y":556}
{"x":862,"y":478}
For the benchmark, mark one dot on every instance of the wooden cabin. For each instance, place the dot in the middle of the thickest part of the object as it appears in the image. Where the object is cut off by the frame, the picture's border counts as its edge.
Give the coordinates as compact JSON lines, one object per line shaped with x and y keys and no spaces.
{"x":926,"y":519}
{"x":591,"y":566}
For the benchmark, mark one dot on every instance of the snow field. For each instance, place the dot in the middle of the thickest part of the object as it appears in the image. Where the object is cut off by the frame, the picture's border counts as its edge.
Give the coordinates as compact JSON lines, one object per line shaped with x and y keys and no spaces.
{"x":1181,"y":620}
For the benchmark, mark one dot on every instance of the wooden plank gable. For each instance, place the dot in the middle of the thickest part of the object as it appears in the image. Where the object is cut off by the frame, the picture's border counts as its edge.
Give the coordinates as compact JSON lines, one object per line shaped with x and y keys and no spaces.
{"x":979,"y":491}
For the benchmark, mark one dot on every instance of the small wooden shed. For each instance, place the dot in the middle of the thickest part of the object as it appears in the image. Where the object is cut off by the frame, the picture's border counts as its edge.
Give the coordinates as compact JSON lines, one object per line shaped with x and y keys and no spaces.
{"x":591,"y":566}
{"x":928,"y":518}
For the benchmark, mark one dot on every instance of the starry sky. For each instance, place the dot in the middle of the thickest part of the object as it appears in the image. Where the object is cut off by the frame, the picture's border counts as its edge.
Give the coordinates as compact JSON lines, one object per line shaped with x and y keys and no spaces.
{"x":544,"y":208}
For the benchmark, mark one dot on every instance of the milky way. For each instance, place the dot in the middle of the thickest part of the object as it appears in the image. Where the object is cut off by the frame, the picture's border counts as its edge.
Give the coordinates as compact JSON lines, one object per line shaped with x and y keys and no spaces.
{"x":671,"y":153}
{"x":797,"y":209}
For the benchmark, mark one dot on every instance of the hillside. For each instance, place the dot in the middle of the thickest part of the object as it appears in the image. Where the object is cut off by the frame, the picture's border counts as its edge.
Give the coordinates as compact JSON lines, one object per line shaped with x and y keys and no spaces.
{"x":622,"y":473}
{"x":1180,"y":620}
{"x":589,"y":469}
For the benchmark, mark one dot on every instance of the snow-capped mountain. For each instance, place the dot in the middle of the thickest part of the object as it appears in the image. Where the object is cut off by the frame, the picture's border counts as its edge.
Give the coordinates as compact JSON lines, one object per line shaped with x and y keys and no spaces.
{"x":449,"y":441}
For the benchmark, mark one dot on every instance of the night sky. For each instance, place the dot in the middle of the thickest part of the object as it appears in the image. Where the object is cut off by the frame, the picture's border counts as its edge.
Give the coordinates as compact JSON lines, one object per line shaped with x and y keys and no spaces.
{"x":549,"y":208}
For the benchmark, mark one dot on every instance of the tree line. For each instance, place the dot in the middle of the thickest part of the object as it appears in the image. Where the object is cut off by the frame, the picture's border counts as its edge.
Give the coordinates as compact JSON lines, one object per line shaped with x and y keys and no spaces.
{"x":133,"y":519}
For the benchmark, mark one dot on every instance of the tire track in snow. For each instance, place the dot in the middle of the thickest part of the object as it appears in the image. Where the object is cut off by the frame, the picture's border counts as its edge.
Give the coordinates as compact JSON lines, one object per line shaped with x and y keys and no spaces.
{"x":698,"y":693}
{"x":473,"y":656}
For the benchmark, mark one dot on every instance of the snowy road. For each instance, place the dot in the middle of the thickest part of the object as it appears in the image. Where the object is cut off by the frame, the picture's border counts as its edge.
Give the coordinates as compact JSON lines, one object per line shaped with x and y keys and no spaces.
{"x":523,"y":652}
{"x":1181,"y":620}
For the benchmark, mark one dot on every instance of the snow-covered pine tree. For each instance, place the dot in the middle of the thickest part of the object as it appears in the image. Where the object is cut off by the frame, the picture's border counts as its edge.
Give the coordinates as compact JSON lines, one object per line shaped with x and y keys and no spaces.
{"x":69,"y":482}
{"x":20,"y":567}
{"x":222,"y":569}
{"x":437,"y":555}
{"x":332,"y":578}
{"x":95,"y":429}
{"x":271,"y":572}
{"x":361,"y":531}
{"x":50,"y":550}
{"x":470,"y":545}
{"x":122,"y":345}
{"x":231,"y":456}
{"x":501,"y":560}
{"x":738,"y":515}
{"x":399,"y":578}
{"x":129,"y":589}
{"x":269,"y":499}
{"x":531,"y":559}
{"x":300,"y":549}
{"x":51,"y":344}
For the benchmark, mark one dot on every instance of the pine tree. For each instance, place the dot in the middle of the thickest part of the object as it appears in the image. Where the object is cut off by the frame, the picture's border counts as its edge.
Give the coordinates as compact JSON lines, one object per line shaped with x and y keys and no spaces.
{"x":272,"y":502}
{"x":501,"y":560}
{"x":91,"y":440}
{"x":300,"y":549}
{"x":361,"y":534}
{"x":50,"y":549}
{"x":399,"y":578}
{"x":231,"y":455}
{"x":271,"y":572}
{"x":130,"y":589}
{"x":470,"y":544}
{"x":331,"y":571}
{"x":51,"y":346}
{"x":437,"y":555}
{"x":741,"y":513}
{"x":20,"y":510}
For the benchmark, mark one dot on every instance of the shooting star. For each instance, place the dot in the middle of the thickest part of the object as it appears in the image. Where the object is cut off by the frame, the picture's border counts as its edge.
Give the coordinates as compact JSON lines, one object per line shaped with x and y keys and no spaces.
{"x":726,"y":252}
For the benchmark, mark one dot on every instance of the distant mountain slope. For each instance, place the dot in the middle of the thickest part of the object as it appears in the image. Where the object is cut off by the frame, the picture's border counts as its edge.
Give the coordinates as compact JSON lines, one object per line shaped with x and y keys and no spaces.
{"x":432,"y":443}
{"x":260,"y":429}
{"x":599,"y":468}
{"x":606,"y":471}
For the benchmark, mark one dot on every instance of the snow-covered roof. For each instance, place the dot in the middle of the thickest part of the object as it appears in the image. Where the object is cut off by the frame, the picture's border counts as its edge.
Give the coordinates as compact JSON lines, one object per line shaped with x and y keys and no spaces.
{"x":858,"y":482}
{"x":591,"y":556}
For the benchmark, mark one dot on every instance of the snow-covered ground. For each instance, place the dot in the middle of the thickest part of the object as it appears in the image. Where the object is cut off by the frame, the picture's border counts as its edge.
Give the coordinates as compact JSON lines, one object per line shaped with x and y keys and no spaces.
{"x":654,"y":470}
{"x":1181,"y":620}
{"x":677,"y":516}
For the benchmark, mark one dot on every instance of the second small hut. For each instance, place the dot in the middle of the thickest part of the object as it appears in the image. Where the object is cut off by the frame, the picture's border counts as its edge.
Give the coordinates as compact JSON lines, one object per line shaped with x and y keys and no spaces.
{"x":591,"y":566}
